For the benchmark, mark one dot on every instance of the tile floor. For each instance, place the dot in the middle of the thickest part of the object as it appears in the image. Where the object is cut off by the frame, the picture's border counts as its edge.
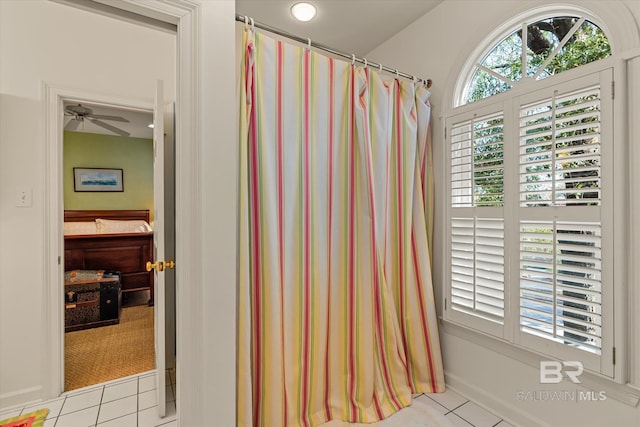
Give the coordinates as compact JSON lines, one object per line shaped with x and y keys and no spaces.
{"x":127,"y":402}
{"x":131,"y":402}
{"x":460,"y":411}
{"x":448,"y":409}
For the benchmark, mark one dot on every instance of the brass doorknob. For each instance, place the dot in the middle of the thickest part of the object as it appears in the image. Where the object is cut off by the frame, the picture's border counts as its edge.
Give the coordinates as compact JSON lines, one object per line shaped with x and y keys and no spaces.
{"x":158,"y":266}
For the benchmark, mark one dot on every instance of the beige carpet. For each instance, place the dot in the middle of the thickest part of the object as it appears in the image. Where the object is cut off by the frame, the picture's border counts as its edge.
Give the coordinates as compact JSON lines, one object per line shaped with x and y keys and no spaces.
{"x":97,"y":355}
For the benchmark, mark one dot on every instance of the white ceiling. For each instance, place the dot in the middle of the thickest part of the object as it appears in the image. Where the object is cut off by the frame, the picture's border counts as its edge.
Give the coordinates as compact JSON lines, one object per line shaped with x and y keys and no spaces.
{"x":351,"y":26}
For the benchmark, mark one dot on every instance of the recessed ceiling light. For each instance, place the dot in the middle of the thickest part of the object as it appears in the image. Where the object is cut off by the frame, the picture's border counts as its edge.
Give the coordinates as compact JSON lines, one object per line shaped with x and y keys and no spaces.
{"x":303,"y":11}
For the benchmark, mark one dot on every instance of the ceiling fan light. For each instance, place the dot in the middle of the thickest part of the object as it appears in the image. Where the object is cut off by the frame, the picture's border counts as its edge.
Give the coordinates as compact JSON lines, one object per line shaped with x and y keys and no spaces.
{"x":303,"y":11}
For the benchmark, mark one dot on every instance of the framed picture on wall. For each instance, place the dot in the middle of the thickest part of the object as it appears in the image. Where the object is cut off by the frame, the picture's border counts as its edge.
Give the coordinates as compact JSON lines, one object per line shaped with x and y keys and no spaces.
{"x":97,"y":179}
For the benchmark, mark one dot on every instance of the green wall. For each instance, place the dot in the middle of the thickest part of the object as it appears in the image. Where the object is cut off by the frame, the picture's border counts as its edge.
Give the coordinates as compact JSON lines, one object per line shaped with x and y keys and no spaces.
{"x":133,"y":155}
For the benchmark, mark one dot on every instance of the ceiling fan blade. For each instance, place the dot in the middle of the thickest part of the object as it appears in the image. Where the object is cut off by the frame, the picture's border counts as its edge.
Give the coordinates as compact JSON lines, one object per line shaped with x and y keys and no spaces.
{"x":114,"y":118}
{"x":78,"y":110}
{"x":72,"y":125}
{"x":109,"y":127}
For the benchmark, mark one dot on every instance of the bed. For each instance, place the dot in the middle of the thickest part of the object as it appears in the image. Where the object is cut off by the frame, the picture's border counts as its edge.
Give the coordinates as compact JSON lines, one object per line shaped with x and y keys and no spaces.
{"x":119,"y":240}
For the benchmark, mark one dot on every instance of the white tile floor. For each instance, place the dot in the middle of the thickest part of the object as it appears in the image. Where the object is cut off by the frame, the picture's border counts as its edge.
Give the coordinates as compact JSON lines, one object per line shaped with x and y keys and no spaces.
{"x":128,"y":402}
{"x":131,"y":402}
{"x":436,"y":410}
{"x":460,"y":411}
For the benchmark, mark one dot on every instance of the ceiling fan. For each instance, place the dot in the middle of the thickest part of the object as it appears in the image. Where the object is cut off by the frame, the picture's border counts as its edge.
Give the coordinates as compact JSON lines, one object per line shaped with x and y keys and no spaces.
{"x":80,"y":113}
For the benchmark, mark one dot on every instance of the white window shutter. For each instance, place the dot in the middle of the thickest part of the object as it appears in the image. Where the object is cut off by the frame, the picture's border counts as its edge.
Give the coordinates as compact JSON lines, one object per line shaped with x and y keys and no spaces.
{"x":477,"y":267}
{"x":476,"y":291}
{"x":560,"y":282}
{"x":553,"y":216}
{"x":564,"y":203}
{"x":560,"y":149}
{"x":477,"y":162}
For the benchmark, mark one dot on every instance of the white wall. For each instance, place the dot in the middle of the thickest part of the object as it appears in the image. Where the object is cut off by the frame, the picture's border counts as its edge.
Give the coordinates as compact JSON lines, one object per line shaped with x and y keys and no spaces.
{"x":436,"y":46}
{"x":41,"y":41}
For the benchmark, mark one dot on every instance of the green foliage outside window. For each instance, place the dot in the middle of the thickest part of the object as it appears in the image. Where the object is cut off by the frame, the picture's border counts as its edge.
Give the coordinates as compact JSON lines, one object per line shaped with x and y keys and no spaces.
{"x":587,"y":44}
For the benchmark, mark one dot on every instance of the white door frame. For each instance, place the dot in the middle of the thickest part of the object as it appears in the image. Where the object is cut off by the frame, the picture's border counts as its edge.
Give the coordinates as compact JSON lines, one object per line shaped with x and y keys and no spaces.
{"x":206,"y":249}
{"x":54,"y":97}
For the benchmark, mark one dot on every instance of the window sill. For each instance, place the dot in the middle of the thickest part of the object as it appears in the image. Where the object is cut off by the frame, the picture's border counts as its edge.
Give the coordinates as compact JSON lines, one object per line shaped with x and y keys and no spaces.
{"x":624,"y":393}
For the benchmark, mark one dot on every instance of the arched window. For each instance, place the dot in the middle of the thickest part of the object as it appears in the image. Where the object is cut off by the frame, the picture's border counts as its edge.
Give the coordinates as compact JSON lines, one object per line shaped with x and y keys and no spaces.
{"x":553,"y":45}
{"x":530,"y":188}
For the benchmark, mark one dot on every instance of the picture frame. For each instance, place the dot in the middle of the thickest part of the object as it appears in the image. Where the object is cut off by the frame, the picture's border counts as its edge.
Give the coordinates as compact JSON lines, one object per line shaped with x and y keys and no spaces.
{"x":98,"y":180}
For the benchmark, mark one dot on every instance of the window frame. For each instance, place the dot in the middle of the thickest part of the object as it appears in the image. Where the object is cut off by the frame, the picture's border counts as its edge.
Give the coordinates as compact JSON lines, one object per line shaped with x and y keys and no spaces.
{"x":509,"y":332}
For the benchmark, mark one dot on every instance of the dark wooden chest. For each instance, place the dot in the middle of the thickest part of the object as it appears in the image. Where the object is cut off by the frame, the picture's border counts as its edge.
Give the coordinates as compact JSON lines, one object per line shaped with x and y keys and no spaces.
{"x":92,"y":298}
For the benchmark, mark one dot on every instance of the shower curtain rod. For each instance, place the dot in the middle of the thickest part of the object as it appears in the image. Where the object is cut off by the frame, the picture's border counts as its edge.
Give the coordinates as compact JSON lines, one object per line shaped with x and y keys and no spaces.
{"x":310,"y":43}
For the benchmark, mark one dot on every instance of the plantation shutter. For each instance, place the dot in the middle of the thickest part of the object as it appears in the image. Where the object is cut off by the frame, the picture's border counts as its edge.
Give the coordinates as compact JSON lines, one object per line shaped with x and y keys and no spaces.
{"x":477,"y":266}
{"x":476,"y":227}
{"x":477,"y":162}
{"x":530,"y":241}
{"x":565,"y":201}
{"x":560,"y":150}
{"x":560,"y":282}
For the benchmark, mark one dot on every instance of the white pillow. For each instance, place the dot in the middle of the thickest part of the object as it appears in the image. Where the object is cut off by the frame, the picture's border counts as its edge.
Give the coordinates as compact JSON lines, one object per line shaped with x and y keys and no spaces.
{"x":80,"y":228}
{"x":106,"y":226}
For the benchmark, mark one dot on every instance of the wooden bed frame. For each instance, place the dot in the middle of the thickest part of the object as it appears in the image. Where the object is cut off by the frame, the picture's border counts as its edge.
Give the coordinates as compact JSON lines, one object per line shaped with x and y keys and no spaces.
{"x":127,"y":253}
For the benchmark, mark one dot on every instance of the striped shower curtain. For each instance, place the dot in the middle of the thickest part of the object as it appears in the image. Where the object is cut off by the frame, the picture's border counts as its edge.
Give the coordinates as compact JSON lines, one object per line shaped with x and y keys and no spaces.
{"x":336,"y":311}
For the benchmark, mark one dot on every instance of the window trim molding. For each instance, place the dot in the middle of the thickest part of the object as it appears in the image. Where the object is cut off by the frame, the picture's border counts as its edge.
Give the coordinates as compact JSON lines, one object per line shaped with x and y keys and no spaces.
{"x":632,"y":92}
{"x":624,"y":393}
{"x":624,"y":319}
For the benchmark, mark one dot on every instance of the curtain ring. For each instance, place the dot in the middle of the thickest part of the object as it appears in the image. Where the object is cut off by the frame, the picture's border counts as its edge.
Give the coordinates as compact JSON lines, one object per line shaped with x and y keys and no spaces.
{"x":380,"y":67}
{"x":308,"y":43}
{"x":415,"y":79}
{"x":246,"y":23}
{"x":253,"y":24}
{"x":353,"y":59}
{"x":365,"y":62}
{"x":397,"y":74}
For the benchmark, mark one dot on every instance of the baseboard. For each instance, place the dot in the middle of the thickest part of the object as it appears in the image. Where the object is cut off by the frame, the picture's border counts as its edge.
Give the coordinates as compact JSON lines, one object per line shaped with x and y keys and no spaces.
{"x":499,"y":407}
{"x":20,"y":398}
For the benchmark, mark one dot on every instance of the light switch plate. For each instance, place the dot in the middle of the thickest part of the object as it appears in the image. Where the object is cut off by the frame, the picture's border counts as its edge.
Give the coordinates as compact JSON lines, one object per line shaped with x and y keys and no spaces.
{"x":23,"y":197}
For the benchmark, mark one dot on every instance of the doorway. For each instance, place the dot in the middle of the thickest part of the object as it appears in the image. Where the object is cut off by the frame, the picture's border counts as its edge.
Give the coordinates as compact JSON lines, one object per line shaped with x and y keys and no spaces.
{"x":205,"y":33}
{"x":109,"y":329}
{"x":111,"y":66}
{"x":163,"y":183}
